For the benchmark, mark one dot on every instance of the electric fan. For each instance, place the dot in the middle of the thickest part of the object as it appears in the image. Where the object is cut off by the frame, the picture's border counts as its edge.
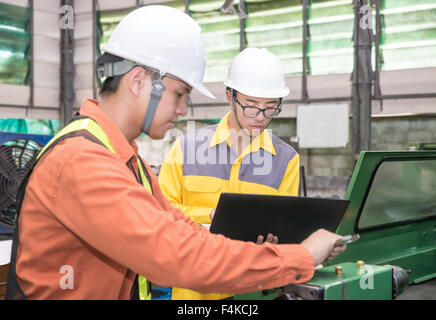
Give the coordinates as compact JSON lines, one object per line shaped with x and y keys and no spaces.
{"x":16,"y":158}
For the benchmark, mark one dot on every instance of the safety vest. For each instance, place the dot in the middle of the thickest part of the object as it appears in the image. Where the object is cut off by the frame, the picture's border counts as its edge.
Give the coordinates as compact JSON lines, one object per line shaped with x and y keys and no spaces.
{"x":87,"y":128}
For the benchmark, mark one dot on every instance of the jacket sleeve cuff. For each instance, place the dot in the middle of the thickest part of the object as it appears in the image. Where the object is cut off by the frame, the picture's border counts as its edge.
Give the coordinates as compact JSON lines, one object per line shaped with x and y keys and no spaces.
{"x":300,"y":263}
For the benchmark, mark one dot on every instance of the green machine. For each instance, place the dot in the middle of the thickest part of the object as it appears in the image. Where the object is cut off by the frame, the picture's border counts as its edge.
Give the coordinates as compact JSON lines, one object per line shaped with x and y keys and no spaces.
{"x":421,"y":146}
{"x":393,"y":210}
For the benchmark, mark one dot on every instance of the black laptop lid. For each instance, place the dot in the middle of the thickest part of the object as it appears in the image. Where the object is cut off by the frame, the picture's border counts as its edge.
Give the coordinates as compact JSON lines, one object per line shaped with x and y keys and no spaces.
{"x":292,"y":219}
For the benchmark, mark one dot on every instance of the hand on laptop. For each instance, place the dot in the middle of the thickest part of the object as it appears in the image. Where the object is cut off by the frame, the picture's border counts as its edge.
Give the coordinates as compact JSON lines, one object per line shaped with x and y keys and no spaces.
{"x":269,"y":238}
{"x":321,"y":244}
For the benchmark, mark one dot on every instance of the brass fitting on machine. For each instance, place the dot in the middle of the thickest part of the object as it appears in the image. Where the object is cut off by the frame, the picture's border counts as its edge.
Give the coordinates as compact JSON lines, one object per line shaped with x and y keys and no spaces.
{"x":338,"y":270}
{"x":360,"y":266}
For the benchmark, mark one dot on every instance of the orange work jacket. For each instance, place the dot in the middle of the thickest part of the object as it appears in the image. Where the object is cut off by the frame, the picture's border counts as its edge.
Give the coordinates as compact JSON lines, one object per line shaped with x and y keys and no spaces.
{"x":85,"y":217}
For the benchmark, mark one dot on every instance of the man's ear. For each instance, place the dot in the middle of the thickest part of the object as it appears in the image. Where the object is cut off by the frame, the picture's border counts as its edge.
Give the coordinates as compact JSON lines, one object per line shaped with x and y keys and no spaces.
{"x":137,"y":79}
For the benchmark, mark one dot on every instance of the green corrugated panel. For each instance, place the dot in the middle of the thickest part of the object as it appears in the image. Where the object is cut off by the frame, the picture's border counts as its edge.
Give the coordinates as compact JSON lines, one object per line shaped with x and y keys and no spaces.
{"x":330,"y":48}
{"x":32,"y":126}
{"x":220,"y":34}
{"x":14,"y":44}
{"x":408,"y":37}
{"x":277,"y":26}
{"x":201,"y":5}
{"x":409,"y":34}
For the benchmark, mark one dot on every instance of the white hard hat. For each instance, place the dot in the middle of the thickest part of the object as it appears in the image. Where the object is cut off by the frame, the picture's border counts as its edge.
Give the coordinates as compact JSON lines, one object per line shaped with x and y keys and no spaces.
{"x":258,"y":73}
{"x":165,"y":39}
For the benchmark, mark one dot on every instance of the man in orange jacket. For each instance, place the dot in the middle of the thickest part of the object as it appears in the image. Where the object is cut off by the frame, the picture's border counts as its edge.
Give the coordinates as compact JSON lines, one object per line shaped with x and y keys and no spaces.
{"x":93,"y":217}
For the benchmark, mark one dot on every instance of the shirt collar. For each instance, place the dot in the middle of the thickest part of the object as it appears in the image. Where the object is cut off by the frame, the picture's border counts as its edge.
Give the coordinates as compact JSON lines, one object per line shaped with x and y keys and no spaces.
{"x":222,"y":133}
{"x":123,"y":149}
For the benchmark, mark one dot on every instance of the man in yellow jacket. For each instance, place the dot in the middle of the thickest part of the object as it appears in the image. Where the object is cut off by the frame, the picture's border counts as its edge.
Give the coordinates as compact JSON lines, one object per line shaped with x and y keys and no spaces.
{"x":238,"y":154}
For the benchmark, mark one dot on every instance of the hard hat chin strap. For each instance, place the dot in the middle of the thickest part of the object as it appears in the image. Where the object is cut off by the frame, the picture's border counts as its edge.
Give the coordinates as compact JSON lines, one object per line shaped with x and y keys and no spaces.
{"x":234,"y":110}
{"x":155,"y":96}
{"x":122,"y":67}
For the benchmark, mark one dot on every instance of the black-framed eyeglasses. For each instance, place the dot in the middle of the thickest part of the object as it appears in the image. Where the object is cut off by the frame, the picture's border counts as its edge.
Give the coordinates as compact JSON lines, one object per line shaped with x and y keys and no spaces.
{"x":253,"y":112}
{"x":189,"y":102}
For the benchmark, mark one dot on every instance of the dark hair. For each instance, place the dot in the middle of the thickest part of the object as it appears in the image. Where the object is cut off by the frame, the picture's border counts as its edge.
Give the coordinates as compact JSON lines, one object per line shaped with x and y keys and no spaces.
{"x":110,"y":85}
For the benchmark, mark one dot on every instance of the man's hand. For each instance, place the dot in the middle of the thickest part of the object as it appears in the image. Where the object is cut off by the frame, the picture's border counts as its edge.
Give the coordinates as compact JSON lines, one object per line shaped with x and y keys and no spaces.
{"x":269,"y":238}
{"x":321,"y":244}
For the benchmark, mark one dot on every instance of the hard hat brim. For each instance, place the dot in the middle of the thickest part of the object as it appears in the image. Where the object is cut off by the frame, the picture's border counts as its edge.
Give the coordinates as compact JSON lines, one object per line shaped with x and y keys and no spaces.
{"x":259,"y":93}
{"x":205,"y":91}
{"x":108,"y":57}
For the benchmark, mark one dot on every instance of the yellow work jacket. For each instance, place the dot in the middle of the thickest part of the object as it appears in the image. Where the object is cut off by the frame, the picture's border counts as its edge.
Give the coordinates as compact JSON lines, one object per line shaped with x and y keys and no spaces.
{"x":201,"y":164}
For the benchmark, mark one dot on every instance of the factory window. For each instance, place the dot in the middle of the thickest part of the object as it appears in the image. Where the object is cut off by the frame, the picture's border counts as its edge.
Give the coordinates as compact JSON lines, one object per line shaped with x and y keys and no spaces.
{"x":14,"y":44}
{"x":330,"y":47}
{"x":221,"y":36}
{"x":278,"y":26}
{"x":32,"y":126}
{"x":408,"y":33}
{"x":220,"y":32}
{"x":402,"y":190}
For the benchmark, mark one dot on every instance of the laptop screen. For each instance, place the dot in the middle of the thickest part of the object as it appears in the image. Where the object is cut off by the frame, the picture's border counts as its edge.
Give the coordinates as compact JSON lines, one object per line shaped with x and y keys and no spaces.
{"x":291,"y":219}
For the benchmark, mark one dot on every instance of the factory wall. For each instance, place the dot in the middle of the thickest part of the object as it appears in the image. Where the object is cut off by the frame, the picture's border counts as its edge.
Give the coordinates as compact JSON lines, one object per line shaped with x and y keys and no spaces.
{"x":327,"y":170}
{"x":395,"y":122}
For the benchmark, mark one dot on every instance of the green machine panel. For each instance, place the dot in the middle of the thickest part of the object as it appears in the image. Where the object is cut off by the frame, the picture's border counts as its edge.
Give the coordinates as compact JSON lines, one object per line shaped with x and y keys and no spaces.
{"x":393,"y":209}
{"x":354,"y":282}
{"x":344,"y":281}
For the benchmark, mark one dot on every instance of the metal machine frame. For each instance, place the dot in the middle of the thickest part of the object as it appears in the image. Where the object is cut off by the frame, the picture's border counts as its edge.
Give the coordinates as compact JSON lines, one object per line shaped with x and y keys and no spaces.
{"x":392,"y":255}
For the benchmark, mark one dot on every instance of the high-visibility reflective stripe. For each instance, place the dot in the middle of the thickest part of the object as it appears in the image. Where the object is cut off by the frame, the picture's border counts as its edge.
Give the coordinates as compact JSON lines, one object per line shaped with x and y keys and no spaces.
{"x":205,"y":159}
{"x":92,"y":127}
{"x":82,"y":124}
{"x":143,"y":177}
{"x":144,"y":293}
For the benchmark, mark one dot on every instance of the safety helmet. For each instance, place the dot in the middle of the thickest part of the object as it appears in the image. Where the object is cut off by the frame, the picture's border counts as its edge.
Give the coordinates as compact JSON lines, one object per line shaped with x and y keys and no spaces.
{"x":160,"y":38}
{"x":258,"y":73}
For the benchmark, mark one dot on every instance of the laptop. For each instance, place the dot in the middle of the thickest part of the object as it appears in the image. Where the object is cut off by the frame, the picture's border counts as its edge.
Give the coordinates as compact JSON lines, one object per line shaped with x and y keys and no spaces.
{"x":292,"y":219}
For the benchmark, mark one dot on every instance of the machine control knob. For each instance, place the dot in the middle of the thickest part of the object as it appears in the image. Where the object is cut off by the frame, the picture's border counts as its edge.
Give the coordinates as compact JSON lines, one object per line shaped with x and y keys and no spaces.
{"x":338,"y":270}
{"x":360,"y":266}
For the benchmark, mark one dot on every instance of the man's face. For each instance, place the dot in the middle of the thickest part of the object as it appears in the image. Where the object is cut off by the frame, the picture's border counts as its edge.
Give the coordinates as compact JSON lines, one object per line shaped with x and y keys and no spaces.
{"x":252,"y":126}
{"x":172,"y":104}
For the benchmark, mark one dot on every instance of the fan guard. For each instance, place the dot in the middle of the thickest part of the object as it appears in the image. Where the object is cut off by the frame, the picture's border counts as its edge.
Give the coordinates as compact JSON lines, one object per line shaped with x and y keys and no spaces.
{"x":16,"y":158}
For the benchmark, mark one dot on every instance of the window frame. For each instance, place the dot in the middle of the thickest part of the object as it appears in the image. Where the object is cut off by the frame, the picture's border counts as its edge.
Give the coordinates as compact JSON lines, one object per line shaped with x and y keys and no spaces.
{"x":358,"y":229}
